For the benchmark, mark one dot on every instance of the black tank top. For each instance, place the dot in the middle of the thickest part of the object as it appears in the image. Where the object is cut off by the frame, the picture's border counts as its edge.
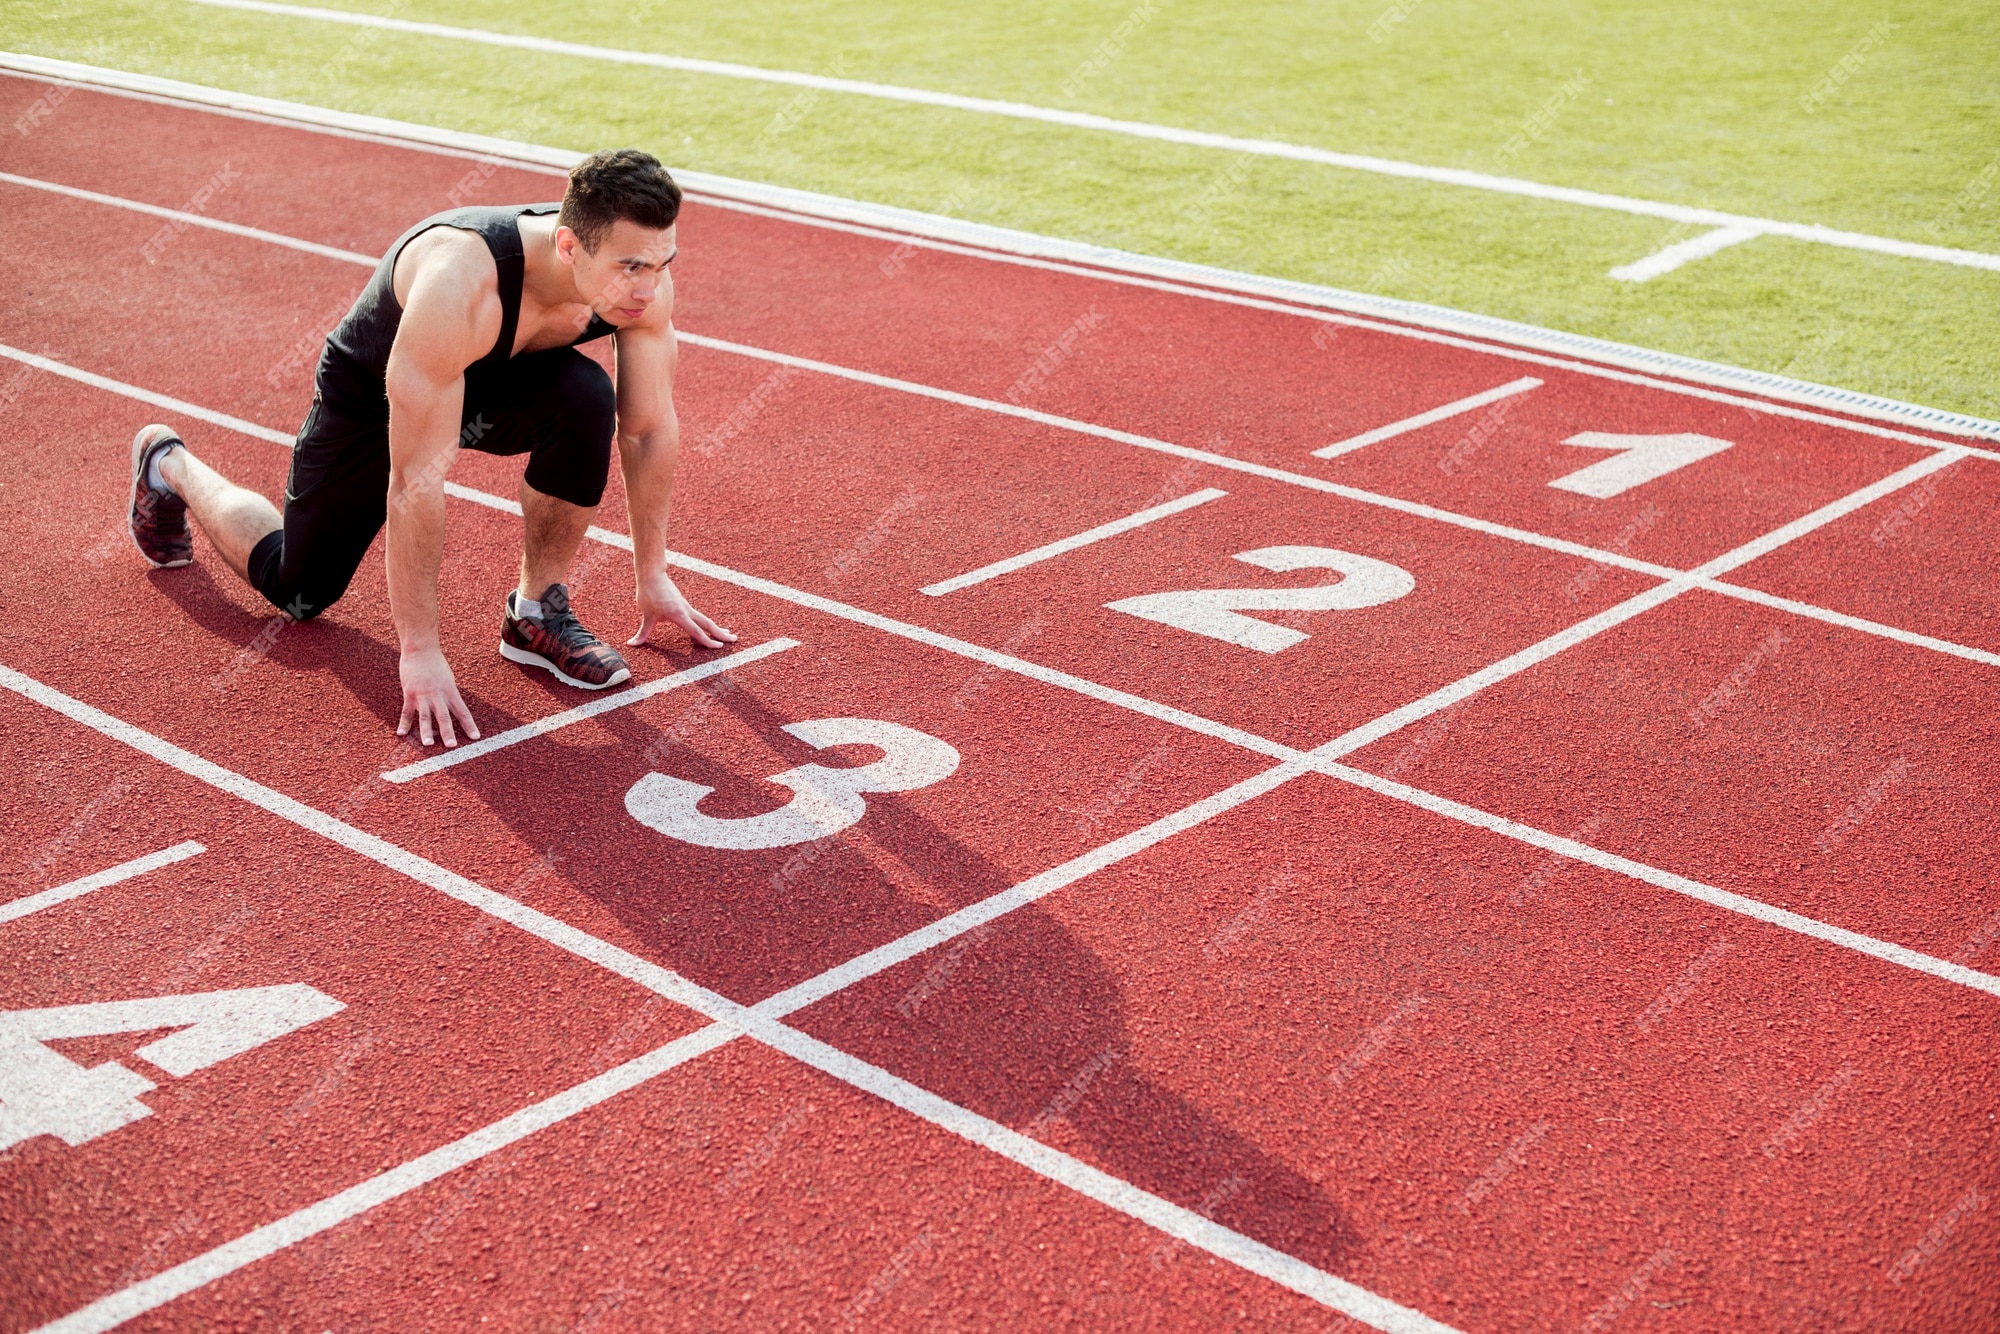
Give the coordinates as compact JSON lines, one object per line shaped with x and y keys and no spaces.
{"x":353,"y":364}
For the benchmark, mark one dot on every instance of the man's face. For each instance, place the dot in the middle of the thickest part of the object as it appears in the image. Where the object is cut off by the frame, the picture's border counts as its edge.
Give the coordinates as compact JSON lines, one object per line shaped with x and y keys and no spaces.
{"x":626,"y":274}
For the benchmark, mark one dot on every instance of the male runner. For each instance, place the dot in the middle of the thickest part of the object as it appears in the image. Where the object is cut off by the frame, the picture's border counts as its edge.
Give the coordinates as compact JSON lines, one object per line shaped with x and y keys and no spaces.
{"x":466,"y":337}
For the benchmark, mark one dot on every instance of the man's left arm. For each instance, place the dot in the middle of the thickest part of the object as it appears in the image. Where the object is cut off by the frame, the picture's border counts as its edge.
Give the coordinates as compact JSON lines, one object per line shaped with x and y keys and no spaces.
{"x":648,"y":453}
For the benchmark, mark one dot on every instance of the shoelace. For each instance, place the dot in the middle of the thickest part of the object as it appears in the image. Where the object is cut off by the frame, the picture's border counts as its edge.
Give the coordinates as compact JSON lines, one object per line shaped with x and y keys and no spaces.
{"x":568,"y":630}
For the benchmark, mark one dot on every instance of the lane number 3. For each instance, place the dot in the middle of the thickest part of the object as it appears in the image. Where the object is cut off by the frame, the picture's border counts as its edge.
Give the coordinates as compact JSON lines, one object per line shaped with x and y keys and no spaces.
{"x":824,"y":801}
{"x":1214,"y":612}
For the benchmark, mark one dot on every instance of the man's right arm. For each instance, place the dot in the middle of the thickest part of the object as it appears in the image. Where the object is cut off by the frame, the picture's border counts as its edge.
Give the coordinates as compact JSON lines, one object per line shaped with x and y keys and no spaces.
{"x":444,"y":313}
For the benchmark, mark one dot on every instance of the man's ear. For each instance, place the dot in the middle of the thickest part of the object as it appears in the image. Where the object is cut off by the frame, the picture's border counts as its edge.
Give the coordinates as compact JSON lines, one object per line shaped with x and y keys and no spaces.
{"x":567,"y":244}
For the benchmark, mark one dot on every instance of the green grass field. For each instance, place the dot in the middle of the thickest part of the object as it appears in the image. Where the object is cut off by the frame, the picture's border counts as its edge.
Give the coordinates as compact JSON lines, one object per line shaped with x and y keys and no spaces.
{"x":1688,"y":102}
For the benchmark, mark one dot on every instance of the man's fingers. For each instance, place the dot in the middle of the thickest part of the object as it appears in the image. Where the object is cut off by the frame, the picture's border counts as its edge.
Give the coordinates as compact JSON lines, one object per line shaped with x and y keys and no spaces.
{"x":409,"y":712}
{"x":709,"y":625}
{"x":423,"y":711}
{"x":459,"y":708}
{"x":692,"y":622}
{"x":646,"y":622}
{"x":442,"y":708}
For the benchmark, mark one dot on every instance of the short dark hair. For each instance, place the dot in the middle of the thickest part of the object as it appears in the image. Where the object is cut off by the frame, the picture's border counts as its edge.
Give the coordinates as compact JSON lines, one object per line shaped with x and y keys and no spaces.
{"x":618,"y":183}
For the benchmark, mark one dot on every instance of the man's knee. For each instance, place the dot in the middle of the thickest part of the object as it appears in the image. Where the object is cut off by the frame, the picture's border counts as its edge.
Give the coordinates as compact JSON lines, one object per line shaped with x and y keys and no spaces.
{"x":592,"y":402}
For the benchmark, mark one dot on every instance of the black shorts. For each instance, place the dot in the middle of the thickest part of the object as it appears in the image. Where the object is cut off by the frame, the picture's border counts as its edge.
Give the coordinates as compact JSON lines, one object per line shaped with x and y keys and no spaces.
{"x":557,"y":407}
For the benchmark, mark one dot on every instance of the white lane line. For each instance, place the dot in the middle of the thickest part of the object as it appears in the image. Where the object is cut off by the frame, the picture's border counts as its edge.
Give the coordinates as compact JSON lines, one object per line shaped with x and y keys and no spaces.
{"x":1435,"y":324}
{"x":1846,"y":622}
{"x":1147,"y":442}
{"x":1139,"y":129}
{"x":1668,"y":258}
{"x":192,"y":219}
{"x":1947,"y":454}
{"x":544,"y":726}
{"x":732,"y":1020}
{"x":1446,"y":696}
{"x":378,"y":850}
{"x":111,"y":875}
{"x":119,"y":387}
{"x":1113,"y":1192}
{"x":1083,"y":539}
{"x":1757,"y":910}
{"x":1321,"y":759}
{"x":152,"y":1293}
{"x":1422,"y":419}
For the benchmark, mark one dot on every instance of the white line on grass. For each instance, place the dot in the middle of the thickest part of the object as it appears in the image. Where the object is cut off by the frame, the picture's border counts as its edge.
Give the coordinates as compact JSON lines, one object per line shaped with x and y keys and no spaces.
{"x":138,"y":866}
{"x":192,"y":219}
{"x":1422,"y":419}
{"x":960,"y":236}
{"x":732,"y":1020}
{"x":1668,"y":258}
{"x":1230,"y":143}
{"x":543,"y":726}
{"x":1523,"y":336}
{"x":1083,"y":539}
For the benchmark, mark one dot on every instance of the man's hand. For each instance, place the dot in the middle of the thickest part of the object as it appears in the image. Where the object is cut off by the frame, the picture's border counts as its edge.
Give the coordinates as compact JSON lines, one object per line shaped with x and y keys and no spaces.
{"x":430,"y":693}
{"x":659,"y":600}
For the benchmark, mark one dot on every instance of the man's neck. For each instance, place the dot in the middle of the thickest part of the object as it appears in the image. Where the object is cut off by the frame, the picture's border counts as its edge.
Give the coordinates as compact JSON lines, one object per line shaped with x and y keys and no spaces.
{"x":545,"y":279}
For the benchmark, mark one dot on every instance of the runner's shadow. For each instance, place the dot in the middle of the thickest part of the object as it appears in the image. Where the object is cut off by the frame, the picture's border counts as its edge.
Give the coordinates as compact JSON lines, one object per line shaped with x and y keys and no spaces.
{"x":1031,"y":1027}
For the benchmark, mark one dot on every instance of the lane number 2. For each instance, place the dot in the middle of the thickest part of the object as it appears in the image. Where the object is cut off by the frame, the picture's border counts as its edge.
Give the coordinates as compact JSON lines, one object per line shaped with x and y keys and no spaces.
{"x":1214,"y":612}
{"x":824,"y":801}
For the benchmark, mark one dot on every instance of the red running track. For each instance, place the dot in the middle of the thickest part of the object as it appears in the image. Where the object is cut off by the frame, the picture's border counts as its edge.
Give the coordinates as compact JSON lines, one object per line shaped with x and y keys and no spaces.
{"x":1103,"y":1028}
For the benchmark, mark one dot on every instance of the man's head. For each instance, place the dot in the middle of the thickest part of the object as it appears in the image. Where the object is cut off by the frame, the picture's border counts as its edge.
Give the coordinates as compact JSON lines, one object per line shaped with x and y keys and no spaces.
{"x":616,"y":231}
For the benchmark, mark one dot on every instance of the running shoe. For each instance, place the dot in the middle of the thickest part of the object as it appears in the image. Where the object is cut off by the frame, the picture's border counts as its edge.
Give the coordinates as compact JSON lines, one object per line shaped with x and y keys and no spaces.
{"x":159,"y":517}
{"x":558,"y":641}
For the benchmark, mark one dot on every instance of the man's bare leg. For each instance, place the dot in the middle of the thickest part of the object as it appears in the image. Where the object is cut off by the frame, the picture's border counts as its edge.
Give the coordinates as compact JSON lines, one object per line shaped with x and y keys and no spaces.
{"x":555,"y":531}
{"x":235,"y":518}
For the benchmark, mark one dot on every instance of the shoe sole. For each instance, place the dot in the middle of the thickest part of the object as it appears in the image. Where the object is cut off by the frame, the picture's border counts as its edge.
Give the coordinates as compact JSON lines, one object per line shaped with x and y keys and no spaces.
{"x":527,"y":659}
{"x":137,"y":454}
